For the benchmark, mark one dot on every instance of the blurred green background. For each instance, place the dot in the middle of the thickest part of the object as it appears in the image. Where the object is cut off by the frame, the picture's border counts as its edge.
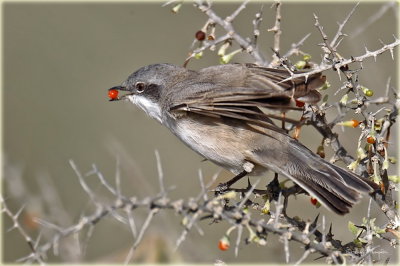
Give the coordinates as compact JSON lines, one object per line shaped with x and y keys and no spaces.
{"x":59,"y":60}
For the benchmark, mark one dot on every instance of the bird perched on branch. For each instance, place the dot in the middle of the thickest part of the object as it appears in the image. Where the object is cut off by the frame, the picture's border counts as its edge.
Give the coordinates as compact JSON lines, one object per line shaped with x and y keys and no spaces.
{"x":222,"y":113}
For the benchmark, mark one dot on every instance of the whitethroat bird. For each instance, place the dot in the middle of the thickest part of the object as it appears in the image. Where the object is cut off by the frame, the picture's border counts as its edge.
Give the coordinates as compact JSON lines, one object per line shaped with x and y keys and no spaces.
{"x":224,"y":113}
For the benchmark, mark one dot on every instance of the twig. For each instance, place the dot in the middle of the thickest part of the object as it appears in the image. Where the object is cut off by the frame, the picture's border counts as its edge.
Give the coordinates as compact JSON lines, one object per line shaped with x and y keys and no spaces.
{"x":303,"y":257}
{"x":239,"y":237}
{"x":230,"y":18}
{"x":361,"y":58}
{"x":256,"y":25}
{"x":141,"y":233}
{"x":296,"y":46}
{"x":339,"y":34}
{"x":205,"y":46}
{"x":35,"y":255}
{"x":227,"y":26}
{"x":160,"y":173}
{"x":277,"y":30}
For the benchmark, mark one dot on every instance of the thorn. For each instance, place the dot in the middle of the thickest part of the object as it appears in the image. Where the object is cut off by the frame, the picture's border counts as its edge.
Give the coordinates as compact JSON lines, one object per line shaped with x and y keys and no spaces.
{"x":330,"y":235}
{"x":314,"y":224}
{"x":38,"y":240}
{"x":19,"y":212}
{"x":12,"y":228}
{"x":323,"y":256}
{"x":338,"y":72}
{"x":391,"y":52}
{"x":248,"y":183}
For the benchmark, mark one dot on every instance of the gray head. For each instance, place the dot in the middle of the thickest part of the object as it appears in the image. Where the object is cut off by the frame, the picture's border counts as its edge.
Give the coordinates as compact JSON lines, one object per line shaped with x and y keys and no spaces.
{"x":146,"y":86}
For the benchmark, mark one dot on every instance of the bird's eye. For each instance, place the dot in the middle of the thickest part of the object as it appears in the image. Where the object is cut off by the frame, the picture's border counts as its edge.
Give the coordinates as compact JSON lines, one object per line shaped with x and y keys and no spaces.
{"x":140,"y":87}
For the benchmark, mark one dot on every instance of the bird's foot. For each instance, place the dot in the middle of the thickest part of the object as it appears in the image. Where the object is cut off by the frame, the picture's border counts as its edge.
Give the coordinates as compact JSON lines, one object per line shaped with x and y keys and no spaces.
{"x":222,"y":188}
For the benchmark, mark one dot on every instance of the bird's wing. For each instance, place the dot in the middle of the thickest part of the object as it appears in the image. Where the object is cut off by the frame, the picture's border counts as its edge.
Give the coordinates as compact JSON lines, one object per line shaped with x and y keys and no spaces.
{"x":249,"y":88}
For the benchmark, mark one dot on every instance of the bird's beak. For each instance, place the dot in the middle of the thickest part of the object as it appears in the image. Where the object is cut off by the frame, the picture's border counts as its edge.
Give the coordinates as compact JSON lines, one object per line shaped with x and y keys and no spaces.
{"x":115,"y":97}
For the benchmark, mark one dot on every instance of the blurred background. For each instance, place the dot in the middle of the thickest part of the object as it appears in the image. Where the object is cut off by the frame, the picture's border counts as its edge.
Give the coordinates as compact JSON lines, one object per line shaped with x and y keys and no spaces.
{"x":59,"y":60}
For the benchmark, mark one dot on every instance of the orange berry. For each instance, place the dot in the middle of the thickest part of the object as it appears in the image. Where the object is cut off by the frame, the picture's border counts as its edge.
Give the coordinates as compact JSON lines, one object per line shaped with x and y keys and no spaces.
{"x":223,"y":243}
{"x":371,"y":139}
{"x":355,"y":123}
{"x":113,"y":94}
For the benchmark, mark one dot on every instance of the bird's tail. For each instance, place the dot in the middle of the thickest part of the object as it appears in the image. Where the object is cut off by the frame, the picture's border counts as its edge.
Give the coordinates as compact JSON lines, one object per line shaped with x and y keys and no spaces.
{"x":334,"y":187}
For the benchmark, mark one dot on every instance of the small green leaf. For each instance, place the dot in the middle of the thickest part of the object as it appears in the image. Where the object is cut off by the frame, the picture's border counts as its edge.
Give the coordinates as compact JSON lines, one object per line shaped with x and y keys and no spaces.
{"x":394,"y":178}
{"x":352,"y":228}
{"x":344,"y":99}
{"x":306,"y":57}
{"x":227,"y":58}
{"x":326,"y":85}
{"x":357,"y":243}
{"x":198,"y":55}
{"x":266,"y":208}
{"x":353,"y":165}
{"x":300,"y":64}
{"x":361,"y":153}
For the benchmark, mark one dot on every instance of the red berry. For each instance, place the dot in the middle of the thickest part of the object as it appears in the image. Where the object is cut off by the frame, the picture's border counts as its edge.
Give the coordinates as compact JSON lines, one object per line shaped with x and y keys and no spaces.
{"x":371,"y":139}
{"x":314,"y":201}
{"x":299,"y":103}
{"x":200,"y":35}
{"x":113,"y":94}
{"x":223,"y":243}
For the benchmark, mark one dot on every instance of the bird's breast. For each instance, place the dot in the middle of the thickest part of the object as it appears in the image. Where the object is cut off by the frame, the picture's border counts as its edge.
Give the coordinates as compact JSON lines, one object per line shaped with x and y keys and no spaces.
{"x":223,"y":144}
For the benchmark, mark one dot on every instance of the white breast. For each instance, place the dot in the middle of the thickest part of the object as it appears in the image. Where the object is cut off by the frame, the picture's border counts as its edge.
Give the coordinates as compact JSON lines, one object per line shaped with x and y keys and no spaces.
{"x":208,"y":141}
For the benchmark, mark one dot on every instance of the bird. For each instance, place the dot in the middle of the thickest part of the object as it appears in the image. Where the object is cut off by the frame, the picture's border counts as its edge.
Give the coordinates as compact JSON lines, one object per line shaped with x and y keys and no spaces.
{"x":226,"y":114}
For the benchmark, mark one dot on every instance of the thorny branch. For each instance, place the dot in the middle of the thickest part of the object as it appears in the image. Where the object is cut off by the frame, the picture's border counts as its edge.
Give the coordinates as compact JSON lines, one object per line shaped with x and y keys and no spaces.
{"x":245,"y":44}
{"x":234,"y":206}
{"x":277,"y":30}
{"x":373,"y":164}
{"x":191,"y":210}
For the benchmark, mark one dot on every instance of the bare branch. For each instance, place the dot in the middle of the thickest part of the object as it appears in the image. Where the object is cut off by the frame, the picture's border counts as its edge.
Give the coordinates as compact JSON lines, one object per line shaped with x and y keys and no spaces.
{"x":339,"y":34}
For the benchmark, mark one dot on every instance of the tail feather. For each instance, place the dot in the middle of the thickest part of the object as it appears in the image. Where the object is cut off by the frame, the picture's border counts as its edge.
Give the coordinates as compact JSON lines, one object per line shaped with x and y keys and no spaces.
{"x":328,"y":199}
{"x":335,"y":187}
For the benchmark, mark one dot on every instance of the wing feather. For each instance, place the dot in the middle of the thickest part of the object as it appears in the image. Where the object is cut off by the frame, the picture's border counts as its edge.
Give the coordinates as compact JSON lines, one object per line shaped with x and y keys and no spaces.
{"x":242,"y":90}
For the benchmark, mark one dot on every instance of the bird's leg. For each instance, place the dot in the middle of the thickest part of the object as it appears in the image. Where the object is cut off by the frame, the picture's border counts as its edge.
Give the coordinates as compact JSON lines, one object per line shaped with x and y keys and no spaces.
{"x":296,"y":134}
{"x":283,"y":120}
{"x":223,"y":187}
